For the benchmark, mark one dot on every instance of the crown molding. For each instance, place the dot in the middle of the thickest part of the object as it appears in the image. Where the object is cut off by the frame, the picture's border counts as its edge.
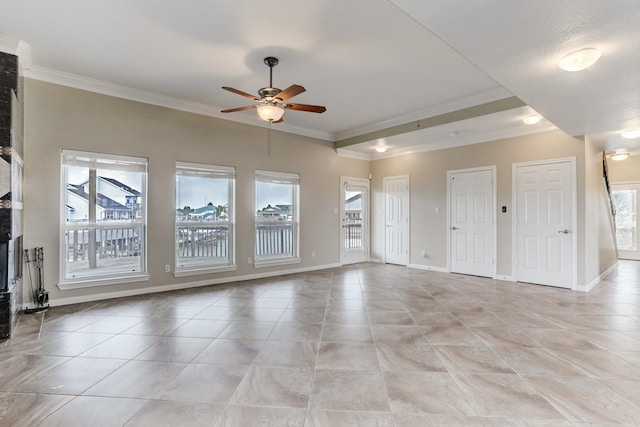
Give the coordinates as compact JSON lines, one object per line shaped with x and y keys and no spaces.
{"x":119,"y":91}
{"x":352,"y":154}
{"x":434,"y":110}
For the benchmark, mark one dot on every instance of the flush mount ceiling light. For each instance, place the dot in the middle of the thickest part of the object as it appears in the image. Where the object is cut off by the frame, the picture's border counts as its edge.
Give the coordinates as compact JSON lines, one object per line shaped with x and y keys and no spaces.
{"x":532,"y":119}
{"x":631,"y":134}
{"x":580,"y":59}
{"x":270,"y":113}
{"x":381,"y":149}
{"x":619,"y":155}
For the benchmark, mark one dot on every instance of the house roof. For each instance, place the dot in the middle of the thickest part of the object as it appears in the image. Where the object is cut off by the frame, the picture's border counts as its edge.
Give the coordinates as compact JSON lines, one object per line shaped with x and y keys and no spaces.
{"x":102,"y":200}
{"x":118,"y":184}
{"x":131,"y":191}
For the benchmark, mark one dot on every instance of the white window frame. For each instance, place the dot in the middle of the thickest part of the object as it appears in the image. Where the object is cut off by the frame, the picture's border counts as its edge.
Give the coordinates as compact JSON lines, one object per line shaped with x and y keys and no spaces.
{"x":102,"y":161}
{"x":261,"y":260}
{"x":212,"y":171}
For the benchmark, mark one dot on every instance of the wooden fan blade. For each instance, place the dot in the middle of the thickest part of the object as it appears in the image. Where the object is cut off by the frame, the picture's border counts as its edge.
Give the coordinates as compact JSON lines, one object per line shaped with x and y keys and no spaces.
{"x":233,"y":110}
{"x":305,"y":107}
{"x":290,"y":92}
{"x":241,"y":93}
{"x":279,"y":121}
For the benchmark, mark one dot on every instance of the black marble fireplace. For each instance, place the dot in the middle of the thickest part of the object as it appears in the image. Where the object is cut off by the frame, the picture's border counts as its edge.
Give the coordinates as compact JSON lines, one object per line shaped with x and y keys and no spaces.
{"x":11,"y":166}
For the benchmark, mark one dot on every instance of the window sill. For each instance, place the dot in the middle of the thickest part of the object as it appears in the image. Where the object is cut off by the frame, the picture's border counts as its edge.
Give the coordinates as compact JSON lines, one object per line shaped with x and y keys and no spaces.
{"x":89,"y":283}
{"x":275,"y":262}
{"x":206,"y":270}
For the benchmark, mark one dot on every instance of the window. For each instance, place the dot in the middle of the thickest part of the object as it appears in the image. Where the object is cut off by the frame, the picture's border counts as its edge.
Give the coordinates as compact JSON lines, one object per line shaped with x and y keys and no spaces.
{"x":626,"y":203}
{"x":103,"y":231}
{"x":276,"y":233}
{"x":204,"y":218}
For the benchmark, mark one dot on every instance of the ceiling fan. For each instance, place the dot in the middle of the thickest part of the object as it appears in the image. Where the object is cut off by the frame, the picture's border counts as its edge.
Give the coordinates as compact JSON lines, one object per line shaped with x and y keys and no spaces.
{"x":272,"y":101}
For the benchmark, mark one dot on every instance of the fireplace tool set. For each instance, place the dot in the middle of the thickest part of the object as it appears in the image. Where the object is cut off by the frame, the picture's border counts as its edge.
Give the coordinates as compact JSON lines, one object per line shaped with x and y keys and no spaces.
{"x":39,"y":294}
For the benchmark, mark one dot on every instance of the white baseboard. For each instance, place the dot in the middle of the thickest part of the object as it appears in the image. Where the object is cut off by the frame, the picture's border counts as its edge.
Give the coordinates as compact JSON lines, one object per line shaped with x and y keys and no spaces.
{"x":597,"y":280}
{"x":376,"y":260}
{"x":429,"y":268}
{"x":177,"y":286}
{"x":505,"y":278}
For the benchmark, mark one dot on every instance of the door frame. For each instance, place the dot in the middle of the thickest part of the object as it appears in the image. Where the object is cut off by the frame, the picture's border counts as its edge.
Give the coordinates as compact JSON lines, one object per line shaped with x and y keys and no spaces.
{"x":384,"y":195}
{"x":494,"y":255}
{"x":574,"y":214}
{"x":344,"y":180}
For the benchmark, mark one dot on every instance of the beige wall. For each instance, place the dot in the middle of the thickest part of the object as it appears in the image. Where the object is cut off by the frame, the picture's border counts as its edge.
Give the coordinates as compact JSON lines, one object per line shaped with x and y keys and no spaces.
{"x":58,"y":117}
{"x":600,"y":246}
{"x":627,"y":170}
{"x":428,"y":187}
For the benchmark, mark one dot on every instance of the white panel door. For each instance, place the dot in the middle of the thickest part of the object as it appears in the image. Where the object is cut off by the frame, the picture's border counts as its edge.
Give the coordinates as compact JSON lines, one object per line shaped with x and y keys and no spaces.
{"x":472,"y":222}
{"x":544,"y":224}
{"x":354,"y":224}
{"x":396,"y":196}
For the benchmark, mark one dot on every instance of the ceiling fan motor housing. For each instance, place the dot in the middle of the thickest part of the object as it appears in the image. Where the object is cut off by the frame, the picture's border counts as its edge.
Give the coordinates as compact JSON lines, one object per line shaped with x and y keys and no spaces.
{"x":269,"y":92}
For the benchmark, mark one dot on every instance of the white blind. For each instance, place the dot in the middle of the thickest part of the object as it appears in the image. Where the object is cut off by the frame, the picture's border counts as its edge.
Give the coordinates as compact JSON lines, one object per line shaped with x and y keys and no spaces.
{"x":278,"y":177}
{"x":103,"y":161}
{"x":205,"y":171}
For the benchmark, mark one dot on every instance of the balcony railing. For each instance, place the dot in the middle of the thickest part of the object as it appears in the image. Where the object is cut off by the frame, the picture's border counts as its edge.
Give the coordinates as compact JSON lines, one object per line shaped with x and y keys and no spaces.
{"x":202,"y":244}
{"x":353,"y":236}
{"x":103,"y":249}
{"x":275,"y":240}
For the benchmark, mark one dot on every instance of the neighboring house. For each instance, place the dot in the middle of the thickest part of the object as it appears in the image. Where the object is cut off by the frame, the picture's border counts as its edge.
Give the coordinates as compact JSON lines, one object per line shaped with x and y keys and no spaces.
{"x":205,"y":213}
{"x":115,"y":200}
{"x":277,"y":213}
{"x":353,"y":207}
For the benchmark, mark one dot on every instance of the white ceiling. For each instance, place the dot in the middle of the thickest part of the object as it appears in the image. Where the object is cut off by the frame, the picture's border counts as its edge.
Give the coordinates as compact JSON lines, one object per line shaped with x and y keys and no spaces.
{"x":374,"y":64}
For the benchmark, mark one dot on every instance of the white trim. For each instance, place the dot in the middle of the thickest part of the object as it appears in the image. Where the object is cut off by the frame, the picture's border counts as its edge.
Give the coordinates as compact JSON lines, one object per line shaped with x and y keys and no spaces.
{"x":187,"y":285}
{"x":494,"y":195}
{"x":182,"y":167}
{"x":184,"y":272}
{"x":352,"y":154}
{"x":504,"y":278}
{"x":124,"y":92}
{"x":366,"y":206}
{"x":376,"y":260}
{"x":574,"y":214}
{"x":597,"y":280}
{"x":483,"y":97}
{"x":429,"y":268}
{"x":625,"y":183}
{"x":292,"y":178}
{"x":435,"y":145}
{"x":275,"y":262}
{"x":90,"y":283}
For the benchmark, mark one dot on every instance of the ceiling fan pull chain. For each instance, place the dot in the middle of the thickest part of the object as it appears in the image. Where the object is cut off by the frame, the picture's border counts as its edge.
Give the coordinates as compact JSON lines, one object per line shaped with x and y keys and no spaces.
{"x":269,"y":141}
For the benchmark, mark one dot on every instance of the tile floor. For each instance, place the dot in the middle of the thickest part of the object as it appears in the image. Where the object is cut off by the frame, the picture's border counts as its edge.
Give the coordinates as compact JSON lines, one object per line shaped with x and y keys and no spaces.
{"x":363,"y":345}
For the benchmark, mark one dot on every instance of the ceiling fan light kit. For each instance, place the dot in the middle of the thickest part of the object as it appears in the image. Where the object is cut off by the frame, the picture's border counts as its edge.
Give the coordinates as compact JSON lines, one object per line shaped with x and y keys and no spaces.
{"x":270,"y":113}
{"x":271,"y":101}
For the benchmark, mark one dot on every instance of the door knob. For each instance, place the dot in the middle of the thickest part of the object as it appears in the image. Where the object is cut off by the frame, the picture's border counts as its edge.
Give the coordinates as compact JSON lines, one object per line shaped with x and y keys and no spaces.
{"x":454,"y":228}
{"x":564,"y":231}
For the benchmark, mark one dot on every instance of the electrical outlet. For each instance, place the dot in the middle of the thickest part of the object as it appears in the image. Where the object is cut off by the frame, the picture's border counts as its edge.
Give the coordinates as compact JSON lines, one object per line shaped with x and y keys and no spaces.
{"x":424,"y":253}
{"x":249,"y":260}
{"x":167,"y":268}
{"x":313,"y":254}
